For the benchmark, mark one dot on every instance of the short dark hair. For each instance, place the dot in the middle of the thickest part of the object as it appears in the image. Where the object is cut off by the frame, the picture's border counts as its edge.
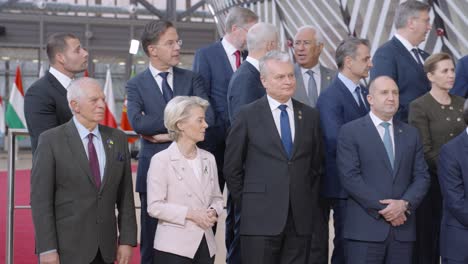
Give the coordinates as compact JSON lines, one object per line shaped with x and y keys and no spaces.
{"x":239,"y":16}
{"x":152,"y":32}
{"x":431,"y":62}
{"x":57,"y":42}
{"x":348,"y":47}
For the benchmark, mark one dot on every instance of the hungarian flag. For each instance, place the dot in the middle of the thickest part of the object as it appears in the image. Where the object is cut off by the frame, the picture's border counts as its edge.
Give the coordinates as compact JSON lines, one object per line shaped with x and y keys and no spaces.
{"x":2,"y":117}
{"x":124,"y":123}
{"x":15,"y":109}
{"x":109,"y":118}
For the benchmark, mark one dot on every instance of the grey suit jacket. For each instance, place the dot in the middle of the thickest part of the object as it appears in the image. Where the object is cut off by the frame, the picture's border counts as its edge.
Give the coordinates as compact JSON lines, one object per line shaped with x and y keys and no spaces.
{"x":327,"y":76}
{"x":69,"y":213}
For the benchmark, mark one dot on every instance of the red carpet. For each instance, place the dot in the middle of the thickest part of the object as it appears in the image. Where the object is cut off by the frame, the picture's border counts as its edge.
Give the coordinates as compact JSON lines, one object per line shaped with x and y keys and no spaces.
{"x":23,"y":227}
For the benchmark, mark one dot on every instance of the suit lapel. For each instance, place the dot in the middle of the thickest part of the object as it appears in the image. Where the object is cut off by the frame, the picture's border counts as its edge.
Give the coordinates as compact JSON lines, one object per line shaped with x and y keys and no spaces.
{"x":326,"y":78}
{"x":225,"y":60}
{"x":350,"y":97}
{"x":180,"y":82}
{"x":56,"y":84}
{"x":300,"y":94}
{"x":398,"y":133}
{"x":266,"y":120}
{"x":374,"y":137}
{"x":407,"y":55}
{"x":109,"y":149}
{"x":298,"y":126}
{"x":151,"y":89}
{"x":77,"y":149}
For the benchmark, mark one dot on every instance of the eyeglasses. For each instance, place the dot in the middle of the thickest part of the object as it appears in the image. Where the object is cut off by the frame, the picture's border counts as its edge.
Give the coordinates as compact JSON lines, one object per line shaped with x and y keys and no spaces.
{"x":171,"y":43}
{"x":306,"y":43}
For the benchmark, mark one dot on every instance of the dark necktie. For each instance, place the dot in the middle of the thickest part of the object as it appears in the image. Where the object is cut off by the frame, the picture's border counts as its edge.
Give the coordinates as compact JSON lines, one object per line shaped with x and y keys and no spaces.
{"x":285,"y":130}
{"x":416,"y":54}
{"x":167,"y":91}
{"x":93,"y":161}
{"x":362,"y":105}
{"x":238,"y":58}
{"x":387,"y":141}
{"x":312,"y":88}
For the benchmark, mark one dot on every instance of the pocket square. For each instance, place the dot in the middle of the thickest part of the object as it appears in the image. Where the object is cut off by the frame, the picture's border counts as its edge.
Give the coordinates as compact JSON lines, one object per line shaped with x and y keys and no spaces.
{"x":120,"y":156}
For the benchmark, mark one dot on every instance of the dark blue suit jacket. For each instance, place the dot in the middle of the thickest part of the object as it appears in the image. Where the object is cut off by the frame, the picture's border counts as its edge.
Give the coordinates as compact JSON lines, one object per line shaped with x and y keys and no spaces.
{"x":460,"y":87}
{"x":245,"y":87}
{"x":394,"y":60}
{"x":367,"y":176}
{"x":337,"y":107}
{"x":144,"y":95}
{"x":453,"y":178}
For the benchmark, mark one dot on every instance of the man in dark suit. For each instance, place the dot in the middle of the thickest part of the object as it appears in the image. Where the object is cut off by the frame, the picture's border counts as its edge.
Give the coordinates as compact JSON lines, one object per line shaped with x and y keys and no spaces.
{"x":343,"y":101}
{"x":80,"y":175}
{"x":245,"y":85}
{"x":401,"y":59}
{"x":273,"y":167}
{"x":312,"y":78}
{"x":45,"y":102}
{"x":216,"y":63}
{"x":147,"y":95}
{"x":460,"y":87}
{"x":381,"y":165}
{"x":453,"y":178}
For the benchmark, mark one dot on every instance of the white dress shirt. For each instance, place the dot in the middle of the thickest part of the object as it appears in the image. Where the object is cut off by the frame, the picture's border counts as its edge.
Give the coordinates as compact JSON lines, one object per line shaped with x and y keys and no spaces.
{"x":409,"y":47}
{"x":230,"y":50}
{"x":277,"y":113}
{"x":170,"y":77}
{"x":63,"y":79}
{"x":254,"y":62}
{"x":317,"y":78}
{"x":377,"y":121}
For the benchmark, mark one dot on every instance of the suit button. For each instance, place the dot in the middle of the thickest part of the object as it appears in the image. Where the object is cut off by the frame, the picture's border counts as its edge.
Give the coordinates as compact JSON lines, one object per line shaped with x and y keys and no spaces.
{"x":451,"y":134}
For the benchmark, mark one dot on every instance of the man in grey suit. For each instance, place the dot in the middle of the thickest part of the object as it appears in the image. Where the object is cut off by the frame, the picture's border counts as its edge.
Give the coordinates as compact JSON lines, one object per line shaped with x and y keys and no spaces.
{"x":81,"y":174}
{"x":308,"y":45}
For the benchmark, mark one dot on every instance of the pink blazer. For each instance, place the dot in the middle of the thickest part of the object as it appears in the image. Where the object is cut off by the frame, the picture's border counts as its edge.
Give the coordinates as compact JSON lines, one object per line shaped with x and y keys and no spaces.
{"x":172,"y":189}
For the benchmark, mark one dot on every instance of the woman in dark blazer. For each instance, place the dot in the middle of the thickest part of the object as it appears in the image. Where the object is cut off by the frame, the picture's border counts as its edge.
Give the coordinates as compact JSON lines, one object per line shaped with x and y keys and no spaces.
{"x":439,"y":117}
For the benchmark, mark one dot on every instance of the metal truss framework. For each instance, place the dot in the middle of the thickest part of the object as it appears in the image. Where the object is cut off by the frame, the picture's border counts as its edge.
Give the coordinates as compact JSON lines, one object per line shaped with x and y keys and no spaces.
{"x":371,"y":19}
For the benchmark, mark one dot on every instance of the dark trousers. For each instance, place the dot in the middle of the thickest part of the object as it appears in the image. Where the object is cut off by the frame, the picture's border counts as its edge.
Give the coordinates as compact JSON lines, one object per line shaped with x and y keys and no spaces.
{"x":428,"y":219}
{"x":233,"y":254}
{"x":319,"y":239}
{"x":148,"y":230}
{"x":285,"y":248}
{"x":98,"y":259}
{"x":202,"y":256}
{"x":339,"y":214}
{"x":389,"y":251}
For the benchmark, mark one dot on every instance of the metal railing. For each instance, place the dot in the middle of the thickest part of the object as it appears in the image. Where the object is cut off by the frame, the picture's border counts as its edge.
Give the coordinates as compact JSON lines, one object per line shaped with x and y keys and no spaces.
{"x":12,"y":134}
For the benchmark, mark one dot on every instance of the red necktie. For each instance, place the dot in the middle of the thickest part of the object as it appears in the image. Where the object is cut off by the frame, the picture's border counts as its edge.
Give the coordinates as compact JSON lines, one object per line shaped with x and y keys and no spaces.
{"x":238,"y":58}
{"x":93,"y":161}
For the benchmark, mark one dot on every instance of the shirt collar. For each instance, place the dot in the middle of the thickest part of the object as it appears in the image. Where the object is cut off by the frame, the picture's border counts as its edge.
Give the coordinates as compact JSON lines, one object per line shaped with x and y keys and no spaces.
{"x":228,"y":47}
{"x":377,"y":121}
{"x":347,"y":82}
{"x":254,"y":62}
{"x":63,"y":79}
{"x":83,"y":131}
{"x":274,"y":104}
{"x":155,"y":71}
{"x":405,"y":43}
{"x":315,"y":69}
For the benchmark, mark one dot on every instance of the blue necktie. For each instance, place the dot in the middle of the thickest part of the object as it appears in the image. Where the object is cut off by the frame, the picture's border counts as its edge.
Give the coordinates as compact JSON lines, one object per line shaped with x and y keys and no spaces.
{"x":416,"y":54}
{"x":285,"y":130}
{"x":362,"y":105}
{"x":387,"y":141}
{"x":167,"y":91}
{"x":312,"y":88}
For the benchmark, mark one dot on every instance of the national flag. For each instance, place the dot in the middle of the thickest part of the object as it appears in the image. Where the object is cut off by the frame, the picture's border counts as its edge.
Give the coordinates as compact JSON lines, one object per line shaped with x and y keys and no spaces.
{"x":2,"y":117}
{"x":109,"y":118}
{"x":86,"y":73}
{"x":124,"y":123}
{"x":15,"y":109}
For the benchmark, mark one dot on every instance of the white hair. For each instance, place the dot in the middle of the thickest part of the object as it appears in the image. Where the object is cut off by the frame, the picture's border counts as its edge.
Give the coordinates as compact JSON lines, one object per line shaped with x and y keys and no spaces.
{"x":259,"y":35}
{"x":273,"y":55}
{"x":75,"y":91}
{"x":318,"y":35}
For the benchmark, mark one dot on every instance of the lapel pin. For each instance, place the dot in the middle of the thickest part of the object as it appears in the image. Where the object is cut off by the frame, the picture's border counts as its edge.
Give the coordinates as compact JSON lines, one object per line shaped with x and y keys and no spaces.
{"x":205,"y":170}
{"x":328,"y":77}
{"x":299,"y":114}
{"x":400,"y":131}
{"x":110,"y":143}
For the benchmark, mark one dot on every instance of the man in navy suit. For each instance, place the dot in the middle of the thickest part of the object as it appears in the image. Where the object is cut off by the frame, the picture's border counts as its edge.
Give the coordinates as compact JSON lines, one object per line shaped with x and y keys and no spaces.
{"x":460,"y":87}
{"x":216,"y":63}
{"x":401,"y":59}
{"x":45,"y":102}
{"x":343,"y":101}
{"x":312,"y":78}
{"x":148,"y":93}
{"x":245,"y":85}
{"x":453,"y":178}
{"x":381,"y":166}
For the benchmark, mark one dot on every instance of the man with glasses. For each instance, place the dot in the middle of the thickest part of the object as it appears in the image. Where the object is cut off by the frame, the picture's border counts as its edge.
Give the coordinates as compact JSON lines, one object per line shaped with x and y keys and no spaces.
{"x":312,"y":78}
{"x":148,"y":94}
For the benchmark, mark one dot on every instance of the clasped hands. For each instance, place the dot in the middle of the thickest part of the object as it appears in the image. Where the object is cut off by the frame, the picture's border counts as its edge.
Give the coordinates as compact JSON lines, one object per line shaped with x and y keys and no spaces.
{"x":203,"y":218}
{"x":394,"y":212}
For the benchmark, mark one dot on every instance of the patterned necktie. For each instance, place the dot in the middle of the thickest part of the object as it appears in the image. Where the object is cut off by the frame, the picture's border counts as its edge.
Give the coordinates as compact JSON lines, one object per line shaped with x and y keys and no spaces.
{"x":362,"y":105}
{"x":237,"y":53}
{"x":387,"y":141}
{"x":312,"y":88}
{"x":416,"y":54}
{"x":285,"y":128}
{"x":167,"y":91}
{"x":93,"y":161}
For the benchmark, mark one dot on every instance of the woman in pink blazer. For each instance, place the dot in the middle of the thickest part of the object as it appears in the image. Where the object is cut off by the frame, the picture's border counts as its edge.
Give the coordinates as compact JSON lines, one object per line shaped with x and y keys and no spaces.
{"x":183,"y":190}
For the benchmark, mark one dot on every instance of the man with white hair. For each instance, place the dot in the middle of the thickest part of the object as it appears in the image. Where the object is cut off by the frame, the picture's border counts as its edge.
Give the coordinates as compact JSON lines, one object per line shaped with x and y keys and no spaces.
{"x":312,"y":77}
{"x":80,"y":175}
